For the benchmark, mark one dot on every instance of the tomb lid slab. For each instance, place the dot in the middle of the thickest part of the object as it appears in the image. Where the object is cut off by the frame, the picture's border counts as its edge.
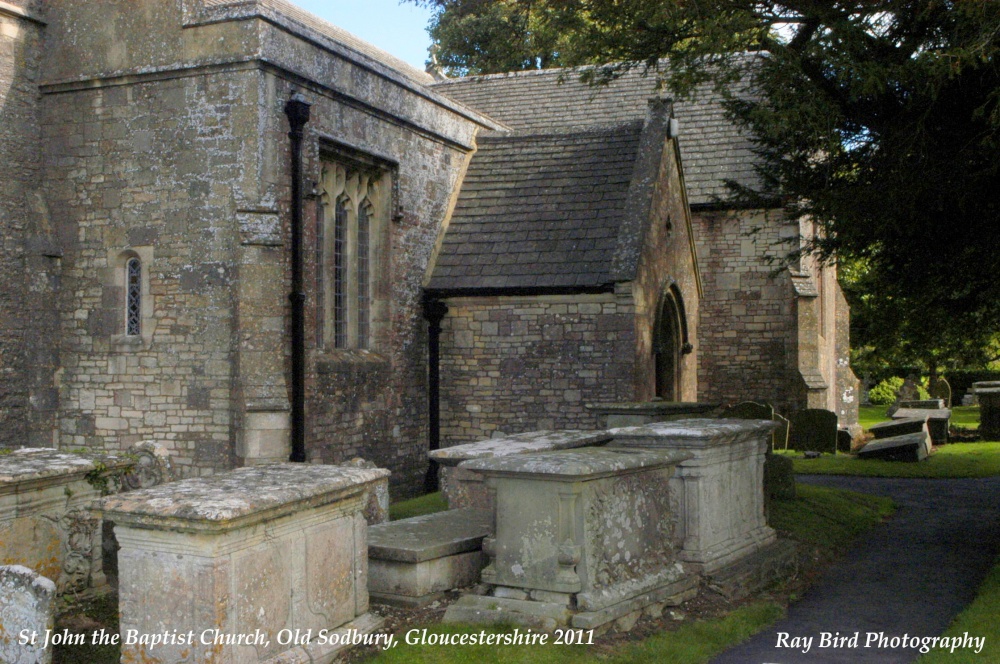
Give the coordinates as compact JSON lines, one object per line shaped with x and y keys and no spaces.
{"x":238,"y":498}
{"x":430,"y":536}
{"x":929,"y":413}
{"x":522,"y":443}
{"x":697,"y":431}
{"x":578,"y":464}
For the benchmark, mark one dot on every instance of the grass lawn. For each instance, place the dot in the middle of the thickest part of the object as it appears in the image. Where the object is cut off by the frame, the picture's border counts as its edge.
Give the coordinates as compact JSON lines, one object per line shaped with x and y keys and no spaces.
{"x":957,"y":460}
{"x":961,"y":416}
{"x":979,"y":619}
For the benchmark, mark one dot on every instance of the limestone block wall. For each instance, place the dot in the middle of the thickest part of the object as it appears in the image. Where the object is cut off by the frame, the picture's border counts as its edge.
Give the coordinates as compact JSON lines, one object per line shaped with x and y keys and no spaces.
{"x":747,"y":327}
{"x":516,"y":364}
{"x":28,"y":258}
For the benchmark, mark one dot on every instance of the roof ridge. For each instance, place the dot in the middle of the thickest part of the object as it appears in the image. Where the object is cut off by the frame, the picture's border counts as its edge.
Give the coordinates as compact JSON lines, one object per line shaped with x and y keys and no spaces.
{"x":586,"y":130}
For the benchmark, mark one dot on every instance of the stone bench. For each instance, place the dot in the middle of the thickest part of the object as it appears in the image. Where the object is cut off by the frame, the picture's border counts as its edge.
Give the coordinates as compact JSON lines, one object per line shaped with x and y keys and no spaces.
{"x":938,"y":420}
{"x":254,"y":551}
{"x":412,"y":561}
{"x":584,"y":537}
{"x":464,"y":488}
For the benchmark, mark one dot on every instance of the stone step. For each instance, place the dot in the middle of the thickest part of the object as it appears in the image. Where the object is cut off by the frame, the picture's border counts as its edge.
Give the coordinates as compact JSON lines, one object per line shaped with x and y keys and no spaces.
{"x":412,"y":561}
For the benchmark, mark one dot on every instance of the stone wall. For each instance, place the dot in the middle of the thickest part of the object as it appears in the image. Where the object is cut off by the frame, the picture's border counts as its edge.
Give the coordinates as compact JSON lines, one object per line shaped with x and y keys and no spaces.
{"x":771,"y":330}
{"x":516,"y":364}
{"x":28,"y":258}
{"x":747,"y":326}
{"x":175,"y":150}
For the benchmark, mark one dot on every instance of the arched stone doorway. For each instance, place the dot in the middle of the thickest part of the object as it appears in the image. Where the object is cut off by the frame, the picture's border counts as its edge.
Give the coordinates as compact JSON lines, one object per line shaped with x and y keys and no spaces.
{"x":670,"y":342}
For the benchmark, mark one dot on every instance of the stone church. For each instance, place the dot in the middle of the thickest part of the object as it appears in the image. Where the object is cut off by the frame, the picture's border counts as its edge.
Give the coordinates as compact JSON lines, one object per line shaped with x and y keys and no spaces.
{"x":239,"y":231}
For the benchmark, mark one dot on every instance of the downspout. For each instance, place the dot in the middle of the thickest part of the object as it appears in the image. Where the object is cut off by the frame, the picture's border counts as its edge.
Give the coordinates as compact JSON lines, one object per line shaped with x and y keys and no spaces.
{"x":297,"y":110}
{"x":434,"y":313}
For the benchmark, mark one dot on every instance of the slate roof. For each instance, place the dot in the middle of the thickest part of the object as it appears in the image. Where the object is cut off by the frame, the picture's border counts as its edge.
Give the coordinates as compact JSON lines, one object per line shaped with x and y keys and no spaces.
{"x":539,"y":211}
{"x":713,"y":150}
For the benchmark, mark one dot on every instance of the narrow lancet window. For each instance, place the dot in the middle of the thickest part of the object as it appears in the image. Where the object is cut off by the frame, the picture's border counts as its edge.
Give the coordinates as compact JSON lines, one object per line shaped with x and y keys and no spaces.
{"x":340,"y":260}
{"x":133,"y":297}
{"x":364,"y":273}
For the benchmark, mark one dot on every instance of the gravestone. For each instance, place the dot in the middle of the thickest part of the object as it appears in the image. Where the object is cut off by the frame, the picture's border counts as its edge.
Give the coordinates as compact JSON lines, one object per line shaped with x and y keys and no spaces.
{"x":26,"y":603}
{"x":898,"y":427}
{"x":908,"y":447}
{"x":780,"y":435}
{"x":814,"y":430}
{"x":989,"y":411}
{"x":752,"y":410}
{"x":844,"y":441}
{"x":937,"y":421}
{"x":941,"y":389}
{"x":909,"y":390}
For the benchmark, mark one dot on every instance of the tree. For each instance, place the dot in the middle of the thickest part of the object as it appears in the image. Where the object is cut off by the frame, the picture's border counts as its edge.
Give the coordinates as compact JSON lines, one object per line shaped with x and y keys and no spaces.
{"x":878,"y":119}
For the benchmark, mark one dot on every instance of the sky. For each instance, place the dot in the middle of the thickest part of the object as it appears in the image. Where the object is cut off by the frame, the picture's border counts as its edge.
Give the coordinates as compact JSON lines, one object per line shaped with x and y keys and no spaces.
{"x":400,"y":29}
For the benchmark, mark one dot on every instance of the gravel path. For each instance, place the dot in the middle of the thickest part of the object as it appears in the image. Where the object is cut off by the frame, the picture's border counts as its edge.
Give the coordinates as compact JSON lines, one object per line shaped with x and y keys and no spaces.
{"x":909,"y":576}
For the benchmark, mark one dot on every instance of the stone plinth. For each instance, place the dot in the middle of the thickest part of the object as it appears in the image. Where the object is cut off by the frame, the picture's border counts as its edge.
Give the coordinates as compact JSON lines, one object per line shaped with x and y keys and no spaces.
{"x":411,"y":561}
{"x":251,"y":552}
{"x":26,"y":604}
{"x":718,"y":491}
{"x":464,"y":488}
{"x":583,"y":537}
{"x":989,"y":412}
{"x":45,"y":518}
{"x":937,"y":420}
{"x":636,"y":413}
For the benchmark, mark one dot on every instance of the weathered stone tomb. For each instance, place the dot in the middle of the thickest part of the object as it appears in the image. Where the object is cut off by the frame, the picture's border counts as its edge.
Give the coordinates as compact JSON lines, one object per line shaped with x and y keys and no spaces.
{"x":253,"y":552}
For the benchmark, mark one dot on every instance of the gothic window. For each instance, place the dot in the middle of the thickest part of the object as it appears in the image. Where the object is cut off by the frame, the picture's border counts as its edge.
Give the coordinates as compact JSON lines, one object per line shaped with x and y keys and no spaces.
{"x":354,"y":212}
{"x":133,"y":297}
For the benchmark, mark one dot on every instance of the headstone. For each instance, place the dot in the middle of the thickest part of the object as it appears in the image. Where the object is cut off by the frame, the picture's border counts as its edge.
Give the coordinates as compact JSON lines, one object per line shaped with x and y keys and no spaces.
{"x":937,"y":421}
{"x":814,"y":430}
{"x":779,"y":478}
{"x":752,"y":410}
{"x":844,"y":441}
{"x":941,"y":389}
{"x":909,"y":390}
{"x":411,"y":561}
{"x":989,"y":411}
{"x":253,"y":551}
{"x":969,"y":399}
{"x":465,"y":488}
{"x":899,"y":427}
{"x":26,"y":604}
{"x":583,"y":537}
{"x":908,"y":447}
{"x":780,"y":435}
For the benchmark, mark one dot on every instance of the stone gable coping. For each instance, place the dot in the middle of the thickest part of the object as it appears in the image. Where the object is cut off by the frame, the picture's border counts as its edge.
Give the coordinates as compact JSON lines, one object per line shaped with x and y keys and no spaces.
{"x":238,"y":498}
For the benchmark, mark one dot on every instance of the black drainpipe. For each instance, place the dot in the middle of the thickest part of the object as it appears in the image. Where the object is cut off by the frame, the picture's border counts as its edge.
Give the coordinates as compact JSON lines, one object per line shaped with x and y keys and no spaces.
{"x":297,"y":110}
{"x":434,"y":312}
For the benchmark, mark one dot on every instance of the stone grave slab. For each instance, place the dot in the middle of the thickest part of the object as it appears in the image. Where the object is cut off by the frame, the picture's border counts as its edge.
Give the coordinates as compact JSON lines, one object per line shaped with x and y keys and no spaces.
{"x":719,"y":490}
{"x":937,"y":421}
{"x":26,"y":603}
{"x":814,"y":430}
{"x":907,"y":447}
{"x":899,"y":427}
{"x":412,"y":561}
{"x":583,"y":537}
{"x":636,"y":413}
{"x":252,"y":551}
{"x":464,"y":488}
{"x":923,"y":404}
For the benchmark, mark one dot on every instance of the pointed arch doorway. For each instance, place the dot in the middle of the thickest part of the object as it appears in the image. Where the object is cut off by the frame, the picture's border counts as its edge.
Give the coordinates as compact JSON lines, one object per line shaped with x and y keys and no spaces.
{"x":670,"y":342}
